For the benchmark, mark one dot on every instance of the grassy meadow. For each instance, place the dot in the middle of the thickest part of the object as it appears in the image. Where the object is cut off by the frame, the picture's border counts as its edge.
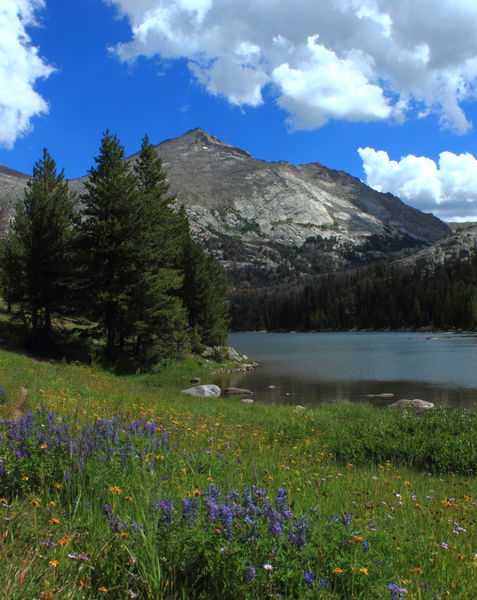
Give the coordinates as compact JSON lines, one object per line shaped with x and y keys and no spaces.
{"x":122,"y":487}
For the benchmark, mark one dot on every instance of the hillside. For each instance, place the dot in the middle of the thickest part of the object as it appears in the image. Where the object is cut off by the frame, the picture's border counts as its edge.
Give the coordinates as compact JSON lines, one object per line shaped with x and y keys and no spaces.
{"x":458,"y":245}
{"x":12,"y":184}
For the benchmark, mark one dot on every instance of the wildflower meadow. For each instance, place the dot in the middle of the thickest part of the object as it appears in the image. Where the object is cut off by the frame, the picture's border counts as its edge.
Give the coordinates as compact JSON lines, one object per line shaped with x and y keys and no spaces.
{"x":122,"y":487}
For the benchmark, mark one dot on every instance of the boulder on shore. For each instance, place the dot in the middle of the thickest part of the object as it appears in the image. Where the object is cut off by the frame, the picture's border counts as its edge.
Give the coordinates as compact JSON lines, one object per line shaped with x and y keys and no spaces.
{"x":203,"y":390}
{"x":232,"y":354}
{"x":415,"y":405}
{"x":234,"y":391}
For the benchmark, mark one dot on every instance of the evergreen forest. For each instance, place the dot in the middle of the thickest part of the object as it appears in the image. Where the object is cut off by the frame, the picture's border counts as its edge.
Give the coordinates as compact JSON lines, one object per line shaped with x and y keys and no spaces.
{"x":115,"y":269}
{"x":381,"y":296}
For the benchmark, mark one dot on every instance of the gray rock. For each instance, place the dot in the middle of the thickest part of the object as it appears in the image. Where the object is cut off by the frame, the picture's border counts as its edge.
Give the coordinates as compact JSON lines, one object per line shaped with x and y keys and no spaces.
{"x":299,"y":407}
{"x":203,"y":390}
{"x":247,"y":400}
{"x":415,"y":405}
{"x":458,"y":246}
{"x":234,"y":391}
{"x":383,"y":395}
{"x":232,"y":354}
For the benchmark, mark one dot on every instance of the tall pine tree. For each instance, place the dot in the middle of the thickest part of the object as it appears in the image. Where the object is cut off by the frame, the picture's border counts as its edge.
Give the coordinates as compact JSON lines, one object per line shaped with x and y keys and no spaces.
{"x":36,"y":261}
{"x":160,"y":319}
{"x":109,"y":246}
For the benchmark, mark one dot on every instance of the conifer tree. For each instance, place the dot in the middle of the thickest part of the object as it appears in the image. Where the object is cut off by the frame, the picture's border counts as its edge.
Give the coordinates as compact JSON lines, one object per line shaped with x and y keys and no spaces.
{"x":36,"y":261}
{"x":109,"y":245}
{"x":160,"y":319}
{"x":204,"y":294}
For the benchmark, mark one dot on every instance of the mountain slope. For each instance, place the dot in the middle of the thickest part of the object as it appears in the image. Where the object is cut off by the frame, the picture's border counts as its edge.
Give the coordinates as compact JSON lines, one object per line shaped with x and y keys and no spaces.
{"x":12,"y":184}
{"x":275,"y":222}
{"x":459,"y":245}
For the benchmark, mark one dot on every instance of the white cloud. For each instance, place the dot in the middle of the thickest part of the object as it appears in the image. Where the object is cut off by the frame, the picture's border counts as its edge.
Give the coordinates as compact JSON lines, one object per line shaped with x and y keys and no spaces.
{"x":20,"y":67}
{"x":448,"y":189}
{"x":332,"y":59}
{"x":313,"y":92}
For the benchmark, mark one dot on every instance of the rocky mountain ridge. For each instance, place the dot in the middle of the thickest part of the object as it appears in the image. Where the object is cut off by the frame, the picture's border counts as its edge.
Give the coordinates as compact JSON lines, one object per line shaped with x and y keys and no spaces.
{"x":276,"y":222}
{"x":459,"y":245}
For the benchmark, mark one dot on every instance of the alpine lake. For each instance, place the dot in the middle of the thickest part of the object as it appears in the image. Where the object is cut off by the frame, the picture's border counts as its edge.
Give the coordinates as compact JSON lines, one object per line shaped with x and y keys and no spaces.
{"x":375,"y":367}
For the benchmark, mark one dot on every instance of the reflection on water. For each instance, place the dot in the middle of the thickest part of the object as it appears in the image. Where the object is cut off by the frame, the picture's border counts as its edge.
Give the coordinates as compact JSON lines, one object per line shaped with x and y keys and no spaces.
{"x":314,"y":367}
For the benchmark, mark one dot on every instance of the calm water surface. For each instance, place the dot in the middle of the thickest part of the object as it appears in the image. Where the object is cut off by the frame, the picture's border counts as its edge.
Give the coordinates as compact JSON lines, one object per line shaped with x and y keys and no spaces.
{"x":307,"y":368}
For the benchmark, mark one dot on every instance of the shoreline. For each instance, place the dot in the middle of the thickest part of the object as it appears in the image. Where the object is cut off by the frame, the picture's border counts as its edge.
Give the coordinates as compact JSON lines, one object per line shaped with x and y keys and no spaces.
{"x":466,"y":332}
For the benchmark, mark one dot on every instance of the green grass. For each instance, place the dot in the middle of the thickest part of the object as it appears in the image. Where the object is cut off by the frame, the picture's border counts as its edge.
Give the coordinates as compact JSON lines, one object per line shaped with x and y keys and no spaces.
{"x":390,"y":498}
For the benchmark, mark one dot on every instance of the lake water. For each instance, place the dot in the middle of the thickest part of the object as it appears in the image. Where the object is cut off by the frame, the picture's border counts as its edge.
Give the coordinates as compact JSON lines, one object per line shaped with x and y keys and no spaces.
{"x":308,"y":368}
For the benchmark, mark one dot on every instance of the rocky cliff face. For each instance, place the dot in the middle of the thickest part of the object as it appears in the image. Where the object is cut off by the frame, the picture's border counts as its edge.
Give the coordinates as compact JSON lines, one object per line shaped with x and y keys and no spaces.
{"x":277,"y":222}
{"x":459,"y":245}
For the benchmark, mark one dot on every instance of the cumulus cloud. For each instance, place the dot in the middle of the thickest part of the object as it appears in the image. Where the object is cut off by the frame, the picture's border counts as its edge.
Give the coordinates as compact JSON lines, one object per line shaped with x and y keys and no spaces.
{"x":447,"y":188}
{"x":20,"y":67}
{"x":333,"y":59}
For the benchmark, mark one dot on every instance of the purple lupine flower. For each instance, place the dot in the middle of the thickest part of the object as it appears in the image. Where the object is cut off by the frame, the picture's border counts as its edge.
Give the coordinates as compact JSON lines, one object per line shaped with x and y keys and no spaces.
{"x":275,"y":525}
{"x":309,"y":577}
{"x":281,"y":499}
{"x":324,"y":584}
{"x":116,"y":524}
{"x":260,"y":493}
{"x":107,"y":509}
{"x":226,"y":516}
{"x":214,"y":492}
{"x":250,"y":573}
{"x":167,"y":511}
{"x":275,"y":528}
{"x":396,"y":592}
{"x":189,"y":510}
{"x":299,"y":532}
{"x":212,"y":509}
{"x":345,"y":519}
{"x":365,"y":546}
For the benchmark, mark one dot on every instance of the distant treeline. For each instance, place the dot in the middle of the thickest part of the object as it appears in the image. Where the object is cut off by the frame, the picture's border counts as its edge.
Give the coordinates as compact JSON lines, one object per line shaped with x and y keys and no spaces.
{"x":383,"y":296}
{"x":122,"y":272}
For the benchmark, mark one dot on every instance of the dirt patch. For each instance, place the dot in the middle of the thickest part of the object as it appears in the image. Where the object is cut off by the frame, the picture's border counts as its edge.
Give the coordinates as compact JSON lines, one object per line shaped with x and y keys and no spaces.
{"x":19,"y":409}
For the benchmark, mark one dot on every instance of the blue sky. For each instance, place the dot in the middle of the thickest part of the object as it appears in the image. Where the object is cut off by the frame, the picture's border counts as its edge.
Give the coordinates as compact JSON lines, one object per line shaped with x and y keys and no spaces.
{"x":364,"y":86}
